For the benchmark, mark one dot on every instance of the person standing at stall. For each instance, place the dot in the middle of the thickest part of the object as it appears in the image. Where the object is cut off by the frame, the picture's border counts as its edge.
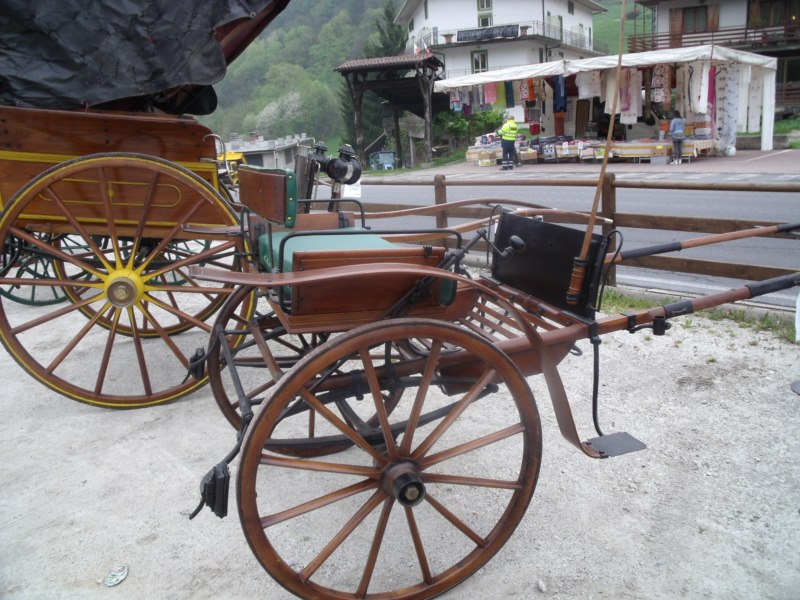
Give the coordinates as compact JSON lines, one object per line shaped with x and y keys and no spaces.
{"x":508,"y":135}
{"x":676,"y":132}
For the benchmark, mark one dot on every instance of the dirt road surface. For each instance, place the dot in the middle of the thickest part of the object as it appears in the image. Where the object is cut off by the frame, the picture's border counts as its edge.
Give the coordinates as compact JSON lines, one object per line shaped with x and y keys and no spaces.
{"x":711,"y":509}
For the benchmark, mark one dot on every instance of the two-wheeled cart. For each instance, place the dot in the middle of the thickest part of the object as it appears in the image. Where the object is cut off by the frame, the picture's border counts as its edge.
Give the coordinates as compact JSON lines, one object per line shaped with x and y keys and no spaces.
{"x":390,"y":443}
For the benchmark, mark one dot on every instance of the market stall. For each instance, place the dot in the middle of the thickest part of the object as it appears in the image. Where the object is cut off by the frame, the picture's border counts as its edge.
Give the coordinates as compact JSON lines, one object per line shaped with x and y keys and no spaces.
{"x":720,"y":91}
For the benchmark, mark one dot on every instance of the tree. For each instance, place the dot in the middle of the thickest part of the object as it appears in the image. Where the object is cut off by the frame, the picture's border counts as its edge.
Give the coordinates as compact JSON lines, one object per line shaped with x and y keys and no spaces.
{"x":390,"y":40}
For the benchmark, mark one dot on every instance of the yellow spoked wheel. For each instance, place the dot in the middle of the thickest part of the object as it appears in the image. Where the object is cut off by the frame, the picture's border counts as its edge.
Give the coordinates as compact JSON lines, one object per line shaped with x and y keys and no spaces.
{"x":138,"y":223}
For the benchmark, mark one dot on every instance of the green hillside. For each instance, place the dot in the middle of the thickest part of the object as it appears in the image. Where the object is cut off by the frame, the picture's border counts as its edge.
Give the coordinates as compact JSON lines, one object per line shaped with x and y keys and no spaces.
{"x":606,"y":25}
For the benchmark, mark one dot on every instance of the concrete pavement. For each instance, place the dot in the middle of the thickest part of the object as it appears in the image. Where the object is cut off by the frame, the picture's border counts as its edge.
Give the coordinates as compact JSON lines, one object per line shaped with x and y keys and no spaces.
{"x":783,"y":165}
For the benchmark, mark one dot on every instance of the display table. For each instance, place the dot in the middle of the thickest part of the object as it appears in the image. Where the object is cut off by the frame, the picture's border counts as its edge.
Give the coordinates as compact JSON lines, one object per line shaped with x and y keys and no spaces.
{"x":646,"y":149}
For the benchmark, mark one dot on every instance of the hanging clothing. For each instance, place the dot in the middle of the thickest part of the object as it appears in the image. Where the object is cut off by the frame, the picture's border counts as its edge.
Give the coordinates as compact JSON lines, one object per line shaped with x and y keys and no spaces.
{"x":612,"y":91}
{"x":726,"y":105}
{"x":559,"y":94}
{"x":523,"y":90}
{"x":754,"y":104}
{"x":744,"y":85}
{"x":489,"y":93}
{"x":698,"y":86}
{"x":509,"y":85}
{"x":660,"y":83}
{"x":501,"y":95}
{"x":633,"y":92}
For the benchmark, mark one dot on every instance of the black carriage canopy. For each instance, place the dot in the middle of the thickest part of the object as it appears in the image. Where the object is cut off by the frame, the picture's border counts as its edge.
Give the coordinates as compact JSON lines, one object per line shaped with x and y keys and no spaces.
{"x":124,"y":54}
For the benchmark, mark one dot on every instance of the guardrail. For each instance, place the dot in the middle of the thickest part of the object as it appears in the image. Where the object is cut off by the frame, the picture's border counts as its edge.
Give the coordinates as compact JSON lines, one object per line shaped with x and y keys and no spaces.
{"x":608,"y":210}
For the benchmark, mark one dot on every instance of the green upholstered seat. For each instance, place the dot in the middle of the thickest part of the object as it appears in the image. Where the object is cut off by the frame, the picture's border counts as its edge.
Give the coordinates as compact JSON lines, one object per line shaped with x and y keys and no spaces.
{"x":269,"y":246}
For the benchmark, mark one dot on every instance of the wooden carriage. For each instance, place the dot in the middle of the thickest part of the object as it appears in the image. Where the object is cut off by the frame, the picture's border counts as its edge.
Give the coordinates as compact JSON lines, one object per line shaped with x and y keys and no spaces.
{"x":390,"y":443}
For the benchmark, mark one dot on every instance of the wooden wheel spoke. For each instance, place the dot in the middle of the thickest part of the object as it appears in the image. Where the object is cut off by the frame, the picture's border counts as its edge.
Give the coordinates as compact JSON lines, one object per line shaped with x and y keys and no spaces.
{"x":106,"y":358}
{"x":112,"y":228}
{"x":171,"y":235}
{"x":419,"y":549}
{"x":57,"y":252}
{"x":317,"y":503}
{"x":51,"y":316}
{"x":342,"y":535}
{"x":377,"y":540}
{"x":70,"y":346}
{"x":266,"y":354}
{"x":455,"y":521}
{"x":202,"y":256}
{"x":473,"y":445}
{"x":459,"y":408}
{"x":48,"y":282}
{"x":419,"y":400}
{"x":162,"y":334}
{"x":177,"y":312}
{"x":325,"y":412}
{"x":78,"y":227}
{"x":378,"y":400}
{"x":318,"y":465}
{"x":148,"y":200}
{"x":471,"y":481}
{"x":140,"y":359}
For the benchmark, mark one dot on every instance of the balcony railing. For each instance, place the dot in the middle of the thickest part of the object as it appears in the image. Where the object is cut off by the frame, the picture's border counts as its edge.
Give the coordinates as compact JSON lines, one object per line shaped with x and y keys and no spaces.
{"x":523,"y":30}
{"x":787,"y":95}
{"x":737,"y":37}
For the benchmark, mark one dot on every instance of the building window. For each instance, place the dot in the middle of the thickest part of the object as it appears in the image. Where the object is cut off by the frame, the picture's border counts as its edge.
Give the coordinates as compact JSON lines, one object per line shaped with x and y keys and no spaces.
{"x":484,"y":4}
{"x":480,"y":61}
{"x":411,"y":25}
{"x":695,"y":19}
{"x":426,"y":10}
{"x":484,"y":20}
{"x":571,"y":7}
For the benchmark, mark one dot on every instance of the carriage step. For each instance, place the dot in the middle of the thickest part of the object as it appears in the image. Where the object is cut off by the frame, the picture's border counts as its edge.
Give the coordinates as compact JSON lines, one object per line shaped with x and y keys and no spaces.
{"x":615,"y":444}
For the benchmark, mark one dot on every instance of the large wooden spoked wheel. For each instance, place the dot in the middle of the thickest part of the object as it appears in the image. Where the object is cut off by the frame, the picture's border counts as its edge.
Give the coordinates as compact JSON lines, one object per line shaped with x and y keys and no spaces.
{"x":418,"y":502}
{"x":131,"y":222}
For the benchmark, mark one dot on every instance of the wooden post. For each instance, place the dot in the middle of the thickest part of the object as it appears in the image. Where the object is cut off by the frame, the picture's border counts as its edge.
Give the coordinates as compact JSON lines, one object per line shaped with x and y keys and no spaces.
{"x":440,"y":197}
{"x":608,"y":209}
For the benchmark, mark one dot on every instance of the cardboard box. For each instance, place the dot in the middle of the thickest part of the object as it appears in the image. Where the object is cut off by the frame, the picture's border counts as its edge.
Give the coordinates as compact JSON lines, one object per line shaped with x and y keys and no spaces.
{"x":486,"y":162}
{"x":485,"y":155}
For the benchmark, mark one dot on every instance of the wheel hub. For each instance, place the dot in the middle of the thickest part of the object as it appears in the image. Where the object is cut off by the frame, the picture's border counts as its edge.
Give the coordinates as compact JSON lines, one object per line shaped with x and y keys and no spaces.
{"x":403,"y":482}
{"x":123,"y":289}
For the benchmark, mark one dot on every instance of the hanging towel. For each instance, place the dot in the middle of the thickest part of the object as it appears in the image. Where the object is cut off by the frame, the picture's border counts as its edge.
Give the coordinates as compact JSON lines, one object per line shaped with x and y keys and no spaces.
{"x":523,"y":90}
{"x":489,"y":93}
{"x":501,"y":96}
{"x":509,"y":94}
{"x":612,"y":91}
{"x":559,"y":94}
{"x":741,"y":111}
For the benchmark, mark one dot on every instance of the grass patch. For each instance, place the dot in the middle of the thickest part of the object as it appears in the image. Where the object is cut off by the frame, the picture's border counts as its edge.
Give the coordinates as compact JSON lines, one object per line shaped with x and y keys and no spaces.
{"x":781,"y":127}
{"x":615,"y":301}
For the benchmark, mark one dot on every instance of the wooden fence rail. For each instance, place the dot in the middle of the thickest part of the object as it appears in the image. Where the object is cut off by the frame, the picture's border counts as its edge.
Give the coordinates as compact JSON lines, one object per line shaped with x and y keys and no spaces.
{"x":608,"y":209}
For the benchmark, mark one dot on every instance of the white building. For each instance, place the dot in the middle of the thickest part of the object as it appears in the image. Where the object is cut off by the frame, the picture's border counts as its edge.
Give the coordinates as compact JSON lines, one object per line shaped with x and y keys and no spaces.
{"x":473,"y":36}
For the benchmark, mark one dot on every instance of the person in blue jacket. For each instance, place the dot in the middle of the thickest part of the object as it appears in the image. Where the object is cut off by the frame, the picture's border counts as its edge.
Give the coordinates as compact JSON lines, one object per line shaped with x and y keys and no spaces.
{"x":676,"y":132}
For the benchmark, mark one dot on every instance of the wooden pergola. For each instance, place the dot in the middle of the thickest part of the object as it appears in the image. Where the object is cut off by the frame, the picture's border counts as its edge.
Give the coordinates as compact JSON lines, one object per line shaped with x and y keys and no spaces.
{"x":405,"y":82}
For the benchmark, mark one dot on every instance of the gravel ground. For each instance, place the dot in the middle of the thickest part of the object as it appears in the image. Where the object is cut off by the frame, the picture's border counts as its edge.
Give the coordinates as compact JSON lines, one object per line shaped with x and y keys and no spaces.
{"x":709,"y":510}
